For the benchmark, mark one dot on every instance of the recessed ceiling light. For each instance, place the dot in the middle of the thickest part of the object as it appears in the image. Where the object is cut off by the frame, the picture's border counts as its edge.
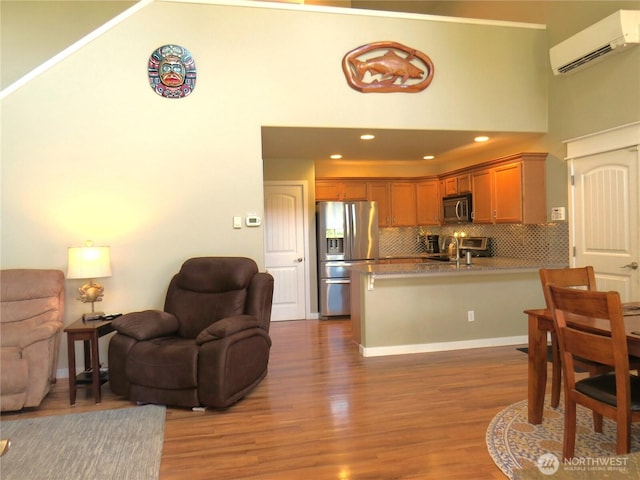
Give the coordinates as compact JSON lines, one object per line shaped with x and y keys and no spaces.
{"x":481,"y":138}
{"x":336,"y":156}
{"x":367,"y":136}
{"x":428,"y":157}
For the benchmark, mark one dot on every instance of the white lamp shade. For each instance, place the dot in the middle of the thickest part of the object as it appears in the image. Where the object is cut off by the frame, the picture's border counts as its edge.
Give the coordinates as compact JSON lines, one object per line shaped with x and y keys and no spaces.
{"x":89,"y":262}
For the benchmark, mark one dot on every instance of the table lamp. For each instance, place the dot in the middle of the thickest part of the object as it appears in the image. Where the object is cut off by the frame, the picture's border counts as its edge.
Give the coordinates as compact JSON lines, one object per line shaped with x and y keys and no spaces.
{"x":89,"y":262}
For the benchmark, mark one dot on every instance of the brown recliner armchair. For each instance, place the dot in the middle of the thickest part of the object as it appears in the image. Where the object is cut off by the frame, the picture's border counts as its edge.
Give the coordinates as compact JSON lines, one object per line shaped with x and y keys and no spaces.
{"x":209,"y":347}
{"x":31,"y":313}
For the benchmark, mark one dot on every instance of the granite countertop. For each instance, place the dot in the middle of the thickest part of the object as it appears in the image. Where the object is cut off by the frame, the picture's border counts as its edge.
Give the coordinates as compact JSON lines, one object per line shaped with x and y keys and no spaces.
{"x":434,"y":267}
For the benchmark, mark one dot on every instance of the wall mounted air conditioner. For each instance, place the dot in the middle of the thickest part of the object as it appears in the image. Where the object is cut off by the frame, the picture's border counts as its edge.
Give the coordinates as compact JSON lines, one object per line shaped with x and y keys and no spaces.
{"x":611,"y":34}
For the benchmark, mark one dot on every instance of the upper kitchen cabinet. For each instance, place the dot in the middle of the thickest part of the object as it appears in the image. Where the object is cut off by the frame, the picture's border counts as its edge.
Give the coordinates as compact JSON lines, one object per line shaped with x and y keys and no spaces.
{"x":481,"y":204}
{"x":456,"y":184}
{"x":396,"y":202}
{"x":510,"y":190}
{"x":379,"y":192}
{"x":343,"y":190}
{"x":428,"y":202}
{"x":403,"y":204}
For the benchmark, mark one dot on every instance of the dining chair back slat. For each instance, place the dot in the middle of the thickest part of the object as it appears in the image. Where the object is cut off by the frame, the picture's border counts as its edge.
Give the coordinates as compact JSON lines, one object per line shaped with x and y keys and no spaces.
{"x":577,"y":277}
{"x":588,"y":346}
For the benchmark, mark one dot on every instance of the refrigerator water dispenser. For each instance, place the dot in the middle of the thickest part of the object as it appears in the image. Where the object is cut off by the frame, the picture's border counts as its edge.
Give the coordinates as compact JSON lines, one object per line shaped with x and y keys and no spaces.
{"x":335,"y":246}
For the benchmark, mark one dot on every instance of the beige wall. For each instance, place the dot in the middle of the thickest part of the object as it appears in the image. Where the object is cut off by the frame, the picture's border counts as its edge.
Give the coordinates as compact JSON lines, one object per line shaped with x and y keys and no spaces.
{"x":34,"y":31}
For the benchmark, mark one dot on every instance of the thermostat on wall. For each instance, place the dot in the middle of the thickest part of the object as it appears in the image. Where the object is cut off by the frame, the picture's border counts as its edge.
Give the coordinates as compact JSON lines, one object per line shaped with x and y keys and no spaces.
{"x":253,"y":221}
{"x":558,"y":213}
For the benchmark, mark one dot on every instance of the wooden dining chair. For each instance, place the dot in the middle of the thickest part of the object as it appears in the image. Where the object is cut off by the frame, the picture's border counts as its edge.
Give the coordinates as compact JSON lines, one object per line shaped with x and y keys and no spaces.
{"x":615,"y":395}
{"x":580,"y":277}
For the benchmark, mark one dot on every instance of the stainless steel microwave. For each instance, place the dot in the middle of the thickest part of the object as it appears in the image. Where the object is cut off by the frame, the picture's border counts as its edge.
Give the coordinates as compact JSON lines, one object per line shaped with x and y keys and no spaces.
{"x":457,"y":208}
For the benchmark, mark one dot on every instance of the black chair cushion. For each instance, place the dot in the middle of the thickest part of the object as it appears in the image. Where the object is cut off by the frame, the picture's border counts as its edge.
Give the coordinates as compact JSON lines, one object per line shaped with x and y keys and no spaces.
{"x":603,"y":388}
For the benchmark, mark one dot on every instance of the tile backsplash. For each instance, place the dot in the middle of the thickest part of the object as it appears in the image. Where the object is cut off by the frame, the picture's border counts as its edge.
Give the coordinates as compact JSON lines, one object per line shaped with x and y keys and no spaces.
{"x":546,"y":243}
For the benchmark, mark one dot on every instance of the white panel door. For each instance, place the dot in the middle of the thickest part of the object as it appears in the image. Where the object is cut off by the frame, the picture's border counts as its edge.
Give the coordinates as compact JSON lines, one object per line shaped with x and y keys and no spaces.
{"x":284,"y":249}
{"x":606,"y":212}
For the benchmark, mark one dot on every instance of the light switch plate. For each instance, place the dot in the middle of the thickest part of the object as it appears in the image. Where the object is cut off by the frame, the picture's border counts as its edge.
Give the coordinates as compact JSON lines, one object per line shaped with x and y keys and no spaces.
{"x":237,"y":222}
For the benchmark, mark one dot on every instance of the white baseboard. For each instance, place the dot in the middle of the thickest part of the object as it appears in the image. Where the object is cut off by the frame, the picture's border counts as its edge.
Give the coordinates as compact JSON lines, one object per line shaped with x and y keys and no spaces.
{"x":442,"y":347}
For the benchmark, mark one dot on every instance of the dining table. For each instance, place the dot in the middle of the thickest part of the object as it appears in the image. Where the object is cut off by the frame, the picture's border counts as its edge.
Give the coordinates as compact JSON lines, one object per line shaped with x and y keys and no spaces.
{"x":540,"y":323}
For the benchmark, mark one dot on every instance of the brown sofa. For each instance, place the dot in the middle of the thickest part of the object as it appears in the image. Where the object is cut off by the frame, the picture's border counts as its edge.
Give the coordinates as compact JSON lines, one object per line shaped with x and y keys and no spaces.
{"x":209,"y":347}
{"x":31,"y":322}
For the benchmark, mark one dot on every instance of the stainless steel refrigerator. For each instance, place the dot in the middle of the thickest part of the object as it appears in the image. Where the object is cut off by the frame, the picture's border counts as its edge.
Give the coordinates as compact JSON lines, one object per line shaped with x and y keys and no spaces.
{"x":347,"y":234}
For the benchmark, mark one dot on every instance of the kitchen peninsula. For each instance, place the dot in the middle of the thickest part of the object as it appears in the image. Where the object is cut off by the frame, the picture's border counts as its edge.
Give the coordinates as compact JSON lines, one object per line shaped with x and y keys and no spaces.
{"x":422,"y":306}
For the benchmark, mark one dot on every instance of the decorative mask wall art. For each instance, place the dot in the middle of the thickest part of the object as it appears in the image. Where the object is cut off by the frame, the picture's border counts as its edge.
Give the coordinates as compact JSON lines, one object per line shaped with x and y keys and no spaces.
{"x":172,"y":71}
{"x":387,"y":67}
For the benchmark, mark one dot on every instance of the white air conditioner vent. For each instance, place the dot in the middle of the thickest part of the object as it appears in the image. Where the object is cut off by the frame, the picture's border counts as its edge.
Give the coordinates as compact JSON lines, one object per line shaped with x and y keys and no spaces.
{"x":611,"y":34}
{"x":586,"y":58}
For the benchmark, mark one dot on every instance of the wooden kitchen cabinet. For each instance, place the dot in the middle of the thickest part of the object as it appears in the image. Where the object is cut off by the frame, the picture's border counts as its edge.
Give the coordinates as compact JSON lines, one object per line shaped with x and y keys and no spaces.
{"x":509,"y":189}
{"x":450,"y":186}
{"x":507,"y":199}
{"x":379,"y":192}
{"x":341,"y":190}
{"x":428,"y":202}
{"x":482,"y":192}
{"x":403,"y":204}
{"x":327,"y":190}
{"x":396,"y":202}
{"x":456,"y":184}
{"x":464,"y":183}
{"x":510,"y":192}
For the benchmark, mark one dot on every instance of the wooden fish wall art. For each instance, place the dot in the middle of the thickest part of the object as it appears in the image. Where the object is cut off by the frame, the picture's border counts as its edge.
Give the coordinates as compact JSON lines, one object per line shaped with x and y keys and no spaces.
{"x":387,"y":67}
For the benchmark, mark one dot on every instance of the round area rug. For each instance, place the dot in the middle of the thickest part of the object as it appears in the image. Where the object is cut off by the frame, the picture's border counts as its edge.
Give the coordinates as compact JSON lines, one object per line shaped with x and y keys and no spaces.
{"x":514,"y":444}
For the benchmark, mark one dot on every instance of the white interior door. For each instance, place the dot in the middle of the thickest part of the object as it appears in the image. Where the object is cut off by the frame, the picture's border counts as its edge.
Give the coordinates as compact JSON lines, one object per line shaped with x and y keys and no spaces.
{"x":285,"y":248}
{"x":606,"y":214}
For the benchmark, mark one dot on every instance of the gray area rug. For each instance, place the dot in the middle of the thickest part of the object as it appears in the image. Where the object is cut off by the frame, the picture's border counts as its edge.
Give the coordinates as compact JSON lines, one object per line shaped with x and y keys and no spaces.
{"x":117,"y":444}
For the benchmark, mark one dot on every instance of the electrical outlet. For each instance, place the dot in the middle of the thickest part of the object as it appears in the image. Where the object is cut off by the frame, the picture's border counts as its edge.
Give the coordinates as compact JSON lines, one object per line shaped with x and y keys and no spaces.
{"x":471,"y":316}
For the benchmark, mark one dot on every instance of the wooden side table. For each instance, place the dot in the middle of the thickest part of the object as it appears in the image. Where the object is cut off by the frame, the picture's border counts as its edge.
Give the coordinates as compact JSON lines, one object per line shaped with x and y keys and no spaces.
{"x":89,"y":332}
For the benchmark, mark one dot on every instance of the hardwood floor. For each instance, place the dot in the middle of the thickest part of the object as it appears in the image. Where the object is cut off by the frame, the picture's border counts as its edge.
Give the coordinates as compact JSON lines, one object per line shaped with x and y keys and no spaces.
{"x":325,"y":412}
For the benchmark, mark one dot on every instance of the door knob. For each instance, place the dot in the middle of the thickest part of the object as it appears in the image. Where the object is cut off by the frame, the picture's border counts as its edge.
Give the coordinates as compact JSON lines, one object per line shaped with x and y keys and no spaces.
{"x":300,"y":260}
{"x":632,"y":265}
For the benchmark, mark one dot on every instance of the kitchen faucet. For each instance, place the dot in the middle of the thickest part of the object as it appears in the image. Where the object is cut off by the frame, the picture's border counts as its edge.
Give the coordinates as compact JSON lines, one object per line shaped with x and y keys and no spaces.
{"x":457,"y":246}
